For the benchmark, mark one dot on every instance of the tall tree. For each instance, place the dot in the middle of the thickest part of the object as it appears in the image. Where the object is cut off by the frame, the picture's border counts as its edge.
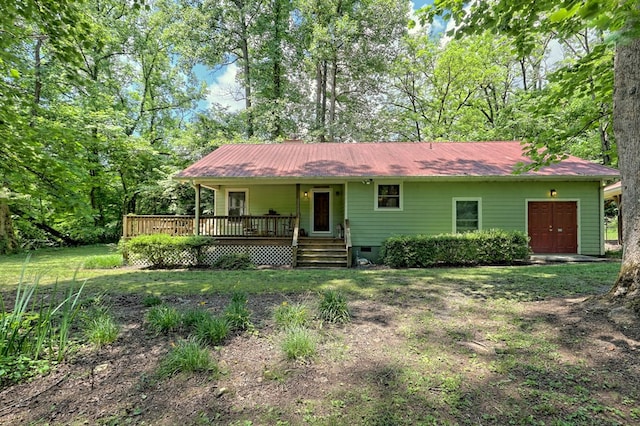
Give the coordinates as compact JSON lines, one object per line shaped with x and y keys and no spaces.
{"x":453,"y":91}
{"x":28,"y":31}
{"x":221,"y":33}
{"x":350,"y":45}
{"x":620,"y":19}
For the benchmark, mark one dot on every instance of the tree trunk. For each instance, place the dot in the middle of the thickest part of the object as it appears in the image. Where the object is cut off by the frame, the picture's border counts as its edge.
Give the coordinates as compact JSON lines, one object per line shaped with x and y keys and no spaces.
{"x":626,"y":126}
{"x":321,"y":99}
{"x":247,"y":81}
{"x":8,"y":243}
{"x":334,"y":95}
{"x":277,"y":68}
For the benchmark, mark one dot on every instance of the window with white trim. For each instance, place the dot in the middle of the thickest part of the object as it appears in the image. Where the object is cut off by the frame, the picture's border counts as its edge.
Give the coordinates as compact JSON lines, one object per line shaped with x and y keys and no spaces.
{"x":467,"y":214}
{"x":237,"y":202}
{"x":388,"y":196}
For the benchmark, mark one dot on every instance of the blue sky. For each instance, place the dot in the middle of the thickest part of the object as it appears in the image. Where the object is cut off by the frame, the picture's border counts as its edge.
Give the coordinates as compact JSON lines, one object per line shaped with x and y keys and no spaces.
{"x":222,"y":86}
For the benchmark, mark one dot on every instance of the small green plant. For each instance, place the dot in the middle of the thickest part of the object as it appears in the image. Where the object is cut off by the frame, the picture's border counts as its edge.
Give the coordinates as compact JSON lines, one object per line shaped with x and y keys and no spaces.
{"x":212,"y":330}
{"x":163,"y":318}
{"x":101,"y":329}
{"x":299,"y":343}
{"x":333,"y":307}
{"x":187,"y":356}
{"x":234,"y":262}
{"x":237,"y":313}
{"x":151,"y":300}
{"x":287,"y":315}
{"x":107,"y":261}
{"x":192,"y":317}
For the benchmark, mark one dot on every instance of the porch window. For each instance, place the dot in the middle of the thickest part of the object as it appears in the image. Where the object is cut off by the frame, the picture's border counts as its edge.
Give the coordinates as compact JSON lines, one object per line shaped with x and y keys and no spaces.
{"x":388,"y":196}
{"x":467,"y":214}
{"x":237,"y":203}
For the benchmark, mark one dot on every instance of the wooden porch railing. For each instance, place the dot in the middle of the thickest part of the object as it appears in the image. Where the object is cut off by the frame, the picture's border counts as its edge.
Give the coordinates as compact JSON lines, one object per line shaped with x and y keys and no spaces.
{"x":265,"y":226}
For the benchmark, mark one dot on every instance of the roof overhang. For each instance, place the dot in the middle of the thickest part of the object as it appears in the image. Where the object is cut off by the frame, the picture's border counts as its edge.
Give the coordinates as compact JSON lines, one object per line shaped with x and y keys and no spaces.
{"x":613,"y":191}
{"x":215,"y":183}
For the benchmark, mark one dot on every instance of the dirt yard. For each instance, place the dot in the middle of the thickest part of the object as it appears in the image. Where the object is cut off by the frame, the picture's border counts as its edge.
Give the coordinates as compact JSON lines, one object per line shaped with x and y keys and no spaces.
{"x":410,"y":355}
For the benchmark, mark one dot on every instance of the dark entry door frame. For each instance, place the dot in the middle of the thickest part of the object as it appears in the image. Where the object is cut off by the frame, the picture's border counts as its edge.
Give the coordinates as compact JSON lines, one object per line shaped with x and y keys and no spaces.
{"x":321,"y":218}
{"x":553,"y":225}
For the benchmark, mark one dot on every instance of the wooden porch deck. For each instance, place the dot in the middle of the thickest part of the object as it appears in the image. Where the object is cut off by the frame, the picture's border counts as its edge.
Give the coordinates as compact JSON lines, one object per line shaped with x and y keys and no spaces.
{"x":259,"y":232}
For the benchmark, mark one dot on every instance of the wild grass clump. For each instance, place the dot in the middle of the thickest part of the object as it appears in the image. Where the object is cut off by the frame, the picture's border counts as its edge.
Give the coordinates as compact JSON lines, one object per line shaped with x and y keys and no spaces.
{"x":36,"y":332}
{"x":212,"y":330}
{"x":151,"y":300}
{"x":192,"y":317}
{"x":237,"y":314}
{"x":101,"y":329}
{"x":163,"y":318}
{"x":187,"y":356}
{"x":299,"y":343}
{"x":107,"y":261}
{"x":291,"y":315}
{"x":333,"y":307}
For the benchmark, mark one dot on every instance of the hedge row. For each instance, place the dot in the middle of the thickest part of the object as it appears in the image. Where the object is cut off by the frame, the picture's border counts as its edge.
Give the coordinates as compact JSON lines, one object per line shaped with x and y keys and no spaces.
{"x":491,"y":247}
{"x":162,"y":250}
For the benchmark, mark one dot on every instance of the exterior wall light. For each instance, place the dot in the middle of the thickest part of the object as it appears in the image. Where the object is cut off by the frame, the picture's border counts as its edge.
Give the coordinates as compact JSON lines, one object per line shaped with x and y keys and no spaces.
{"x":306,"y":194}
{"x":553,"y":193}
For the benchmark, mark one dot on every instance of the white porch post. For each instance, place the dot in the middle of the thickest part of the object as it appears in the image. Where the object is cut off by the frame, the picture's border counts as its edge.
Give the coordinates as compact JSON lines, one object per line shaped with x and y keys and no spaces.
{"x":196,"y":225}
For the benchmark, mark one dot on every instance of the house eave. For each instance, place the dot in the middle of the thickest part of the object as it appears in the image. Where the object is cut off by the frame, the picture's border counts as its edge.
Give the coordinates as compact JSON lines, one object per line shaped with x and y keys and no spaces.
{"x":214,"y":182}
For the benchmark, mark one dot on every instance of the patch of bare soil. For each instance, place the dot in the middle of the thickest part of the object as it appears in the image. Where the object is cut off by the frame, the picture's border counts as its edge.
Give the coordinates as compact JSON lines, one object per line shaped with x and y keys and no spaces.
{"x":117,"y":384}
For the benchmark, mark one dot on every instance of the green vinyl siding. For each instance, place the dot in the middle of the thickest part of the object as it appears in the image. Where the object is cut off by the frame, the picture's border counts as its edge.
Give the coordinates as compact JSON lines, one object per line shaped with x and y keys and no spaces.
{"x":428,"y":208}
{"x":262,"y":198}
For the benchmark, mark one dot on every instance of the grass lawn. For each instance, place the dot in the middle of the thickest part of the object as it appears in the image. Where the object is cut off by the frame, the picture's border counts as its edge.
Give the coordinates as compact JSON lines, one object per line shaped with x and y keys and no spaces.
{"x":518,"y":282}
{"x":487,"y":345}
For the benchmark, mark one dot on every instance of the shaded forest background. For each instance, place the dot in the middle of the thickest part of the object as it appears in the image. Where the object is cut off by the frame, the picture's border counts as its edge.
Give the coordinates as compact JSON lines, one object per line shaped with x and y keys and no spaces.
{"x":100,"y":104}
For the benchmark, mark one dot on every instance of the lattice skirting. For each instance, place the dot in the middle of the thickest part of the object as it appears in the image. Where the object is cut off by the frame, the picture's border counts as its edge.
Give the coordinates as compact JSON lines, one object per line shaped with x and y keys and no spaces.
{"x":260,"y":255}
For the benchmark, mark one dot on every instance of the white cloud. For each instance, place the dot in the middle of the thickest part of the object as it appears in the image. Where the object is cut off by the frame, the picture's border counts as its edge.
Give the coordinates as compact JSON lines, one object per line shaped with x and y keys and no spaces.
{"x":225,"y":90}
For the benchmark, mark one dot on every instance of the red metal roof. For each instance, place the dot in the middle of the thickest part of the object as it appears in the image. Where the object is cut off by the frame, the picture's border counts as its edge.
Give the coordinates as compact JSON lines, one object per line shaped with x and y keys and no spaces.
{"x":379,"y":159}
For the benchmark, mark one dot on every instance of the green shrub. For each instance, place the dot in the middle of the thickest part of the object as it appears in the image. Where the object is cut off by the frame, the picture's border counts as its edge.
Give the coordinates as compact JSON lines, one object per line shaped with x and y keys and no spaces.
{"x":187,"y":356}
{"x":291,"y":316}
{"x":160,"y":250}
{"x":107,"y":261}
{"x":237,"y":314}
{"x":212,"y":330}
{"x":299,"y":343}
{"x":491,"y":247}
{"x":163,"y":318}
{"x":234,"y":262}
{"x":101,"y":329}
{"x":333,"y":307}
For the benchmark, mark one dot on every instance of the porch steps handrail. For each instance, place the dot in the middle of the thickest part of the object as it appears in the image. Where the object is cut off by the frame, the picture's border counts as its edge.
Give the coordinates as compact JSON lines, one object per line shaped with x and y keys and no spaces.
{"x":347,"y":241}
{"x":294,"y":241}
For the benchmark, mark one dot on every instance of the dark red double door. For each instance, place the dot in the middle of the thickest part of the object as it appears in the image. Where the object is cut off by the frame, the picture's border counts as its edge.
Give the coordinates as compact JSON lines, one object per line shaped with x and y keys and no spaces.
{"x":553,"y":226}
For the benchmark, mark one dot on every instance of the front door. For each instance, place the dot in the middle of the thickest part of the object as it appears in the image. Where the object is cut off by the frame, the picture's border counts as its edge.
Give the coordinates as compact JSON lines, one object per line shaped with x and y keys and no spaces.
{"x":321,"y":212}
{"x":553,"y":226}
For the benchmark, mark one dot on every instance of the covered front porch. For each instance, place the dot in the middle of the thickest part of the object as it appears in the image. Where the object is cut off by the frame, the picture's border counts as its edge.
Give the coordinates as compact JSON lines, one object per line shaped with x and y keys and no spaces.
{"x":294,"y":214}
